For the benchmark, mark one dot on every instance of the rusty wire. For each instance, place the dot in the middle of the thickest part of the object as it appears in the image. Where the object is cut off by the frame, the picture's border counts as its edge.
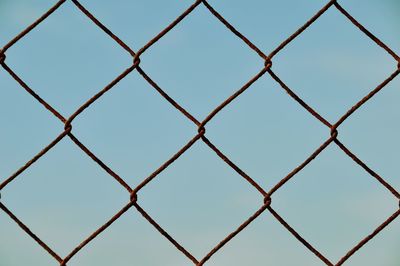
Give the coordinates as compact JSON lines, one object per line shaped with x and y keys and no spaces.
{"x":201,"y":134}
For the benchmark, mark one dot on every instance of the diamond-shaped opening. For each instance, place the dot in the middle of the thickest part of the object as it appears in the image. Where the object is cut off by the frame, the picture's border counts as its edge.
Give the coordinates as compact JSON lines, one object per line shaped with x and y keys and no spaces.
{"x":67,"y":59}
{"x":64,"y":197}
{"x":199,"y":200}
{"x":17,"y":248}
{"x":333,"y":203}
{"x":15,"y":16}
{"x":209,"y":62}
{"x":133,"y":129}
{"x":371,"y":17}
{"x":264,"y":242}
{"x":372,"y":133}
{"x":332,"y":65}
{"x":26,"y":126}
{"x":150,"y":17}
{"x":267,"y":23}
{"x":131,"y":240}
{"x":266,"y":133}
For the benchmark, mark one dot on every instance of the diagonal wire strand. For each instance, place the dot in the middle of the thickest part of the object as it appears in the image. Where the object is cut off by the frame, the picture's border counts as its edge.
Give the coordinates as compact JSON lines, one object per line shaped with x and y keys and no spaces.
{"x":201,"y":134}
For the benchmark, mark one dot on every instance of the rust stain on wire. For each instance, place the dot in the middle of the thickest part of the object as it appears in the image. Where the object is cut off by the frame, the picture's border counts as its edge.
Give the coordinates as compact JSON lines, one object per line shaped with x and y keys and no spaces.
{"x":201,"y":133}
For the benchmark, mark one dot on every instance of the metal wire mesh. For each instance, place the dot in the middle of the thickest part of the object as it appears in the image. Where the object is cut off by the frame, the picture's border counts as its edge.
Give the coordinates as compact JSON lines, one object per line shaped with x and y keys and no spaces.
{"x":201,"y":134}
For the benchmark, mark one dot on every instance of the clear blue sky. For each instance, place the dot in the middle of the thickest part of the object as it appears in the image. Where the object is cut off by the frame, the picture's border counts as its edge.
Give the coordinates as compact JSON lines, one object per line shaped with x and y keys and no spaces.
{"x":333,"y":203}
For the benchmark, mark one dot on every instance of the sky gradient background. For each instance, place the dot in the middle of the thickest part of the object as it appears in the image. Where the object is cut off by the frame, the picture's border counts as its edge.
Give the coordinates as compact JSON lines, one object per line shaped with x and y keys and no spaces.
{"x":65,"y":196}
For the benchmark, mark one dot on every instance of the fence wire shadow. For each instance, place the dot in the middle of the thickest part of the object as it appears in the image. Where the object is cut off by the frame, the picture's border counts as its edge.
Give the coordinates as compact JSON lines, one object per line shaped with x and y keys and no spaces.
{"x":200,"y":135}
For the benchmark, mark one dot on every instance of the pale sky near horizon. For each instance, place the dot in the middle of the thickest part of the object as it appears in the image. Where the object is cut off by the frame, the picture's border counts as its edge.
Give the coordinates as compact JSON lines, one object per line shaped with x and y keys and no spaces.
{"x":65,"y":196}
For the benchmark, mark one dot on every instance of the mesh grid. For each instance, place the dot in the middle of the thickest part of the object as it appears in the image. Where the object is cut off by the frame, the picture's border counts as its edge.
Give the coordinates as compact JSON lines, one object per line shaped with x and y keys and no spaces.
{"x":200,"y":136}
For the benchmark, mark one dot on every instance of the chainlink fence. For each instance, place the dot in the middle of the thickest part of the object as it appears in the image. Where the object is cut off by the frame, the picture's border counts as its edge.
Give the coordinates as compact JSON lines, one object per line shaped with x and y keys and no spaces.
{"x":266,"y":205}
